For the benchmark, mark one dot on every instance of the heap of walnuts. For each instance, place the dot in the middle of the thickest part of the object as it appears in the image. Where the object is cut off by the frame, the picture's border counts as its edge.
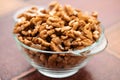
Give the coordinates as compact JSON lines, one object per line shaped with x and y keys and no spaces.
{"x":58,"y":28}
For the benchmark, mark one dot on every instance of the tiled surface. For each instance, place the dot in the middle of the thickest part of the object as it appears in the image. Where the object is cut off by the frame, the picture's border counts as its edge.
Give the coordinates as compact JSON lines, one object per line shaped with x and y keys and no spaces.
{"x":8,"y":6}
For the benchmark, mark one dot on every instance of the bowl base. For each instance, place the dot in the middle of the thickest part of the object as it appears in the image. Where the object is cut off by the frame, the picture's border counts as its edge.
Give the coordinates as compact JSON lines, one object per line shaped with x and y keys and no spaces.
{"x":56,"y":74}
{"x":59,"y":73}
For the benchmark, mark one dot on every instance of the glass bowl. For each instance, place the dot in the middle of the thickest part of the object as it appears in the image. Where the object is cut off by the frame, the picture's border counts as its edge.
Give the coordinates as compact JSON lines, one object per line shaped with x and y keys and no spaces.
{"x":61,"y":64}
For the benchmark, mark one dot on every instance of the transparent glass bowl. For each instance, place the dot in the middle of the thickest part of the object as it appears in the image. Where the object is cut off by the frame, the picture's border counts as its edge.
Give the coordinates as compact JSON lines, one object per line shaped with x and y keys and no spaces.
{"x":61,"y":64}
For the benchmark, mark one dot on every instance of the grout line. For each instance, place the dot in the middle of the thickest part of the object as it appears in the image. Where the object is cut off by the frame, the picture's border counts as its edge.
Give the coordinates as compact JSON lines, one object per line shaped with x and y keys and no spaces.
{"x":110,"y":49}
{"x":113,"y":53}
{"x":24,"y":74}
